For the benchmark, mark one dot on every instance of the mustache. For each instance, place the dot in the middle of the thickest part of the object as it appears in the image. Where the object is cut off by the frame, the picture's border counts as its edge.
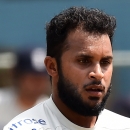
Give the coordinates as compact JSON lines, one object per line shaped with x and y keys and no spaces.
{"x":94,"y":83}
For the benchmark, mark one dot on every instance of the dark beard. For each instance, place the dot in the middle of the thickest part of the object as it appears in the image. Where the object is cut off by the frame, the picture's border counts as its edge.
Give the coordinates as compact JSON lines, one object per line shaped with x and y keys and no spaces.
{"x":71,"y":98}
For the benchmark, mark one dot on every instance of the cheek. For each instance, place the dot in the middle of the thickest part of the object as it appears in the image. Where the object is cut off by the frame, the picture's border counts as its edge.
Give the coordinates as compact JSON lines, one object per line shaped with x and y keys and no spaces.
{"x":76,"y":76}
{"x":72,"y":73}
{"x":108,"y":76}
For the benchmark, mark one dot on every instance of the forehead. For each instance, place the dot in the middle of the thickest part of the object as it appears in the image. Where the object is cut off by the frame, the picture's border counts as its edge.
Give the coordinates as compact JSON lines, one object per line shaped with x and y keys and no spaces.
{"x":80,"y":41}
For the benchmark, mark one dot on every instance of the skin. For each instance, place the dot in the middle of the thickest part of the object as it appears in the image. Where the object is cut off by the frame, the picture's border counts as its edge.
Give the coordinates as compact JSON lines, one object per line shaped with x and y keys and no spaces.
{"x":89,"y":58}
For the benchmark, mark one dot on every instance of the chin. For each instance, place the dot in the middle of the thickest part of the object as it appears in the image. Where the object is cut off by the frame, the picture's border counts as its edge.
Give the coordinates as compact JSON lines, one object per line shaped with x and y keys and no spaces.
{"x":93,"y":101}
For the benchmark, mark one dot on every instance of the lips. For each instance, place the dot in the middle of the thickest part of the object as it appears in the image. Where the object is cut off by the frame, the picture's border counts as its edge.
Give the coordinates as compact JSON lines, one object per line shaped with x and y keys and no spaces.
{"x":95,"y":90}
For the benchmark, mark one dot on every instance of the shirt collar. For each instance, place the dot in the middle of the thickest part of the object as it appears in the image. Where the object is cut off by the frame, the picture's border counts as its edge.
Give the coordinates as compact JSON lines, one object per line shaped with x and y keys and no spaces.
{"x":63,"y":120}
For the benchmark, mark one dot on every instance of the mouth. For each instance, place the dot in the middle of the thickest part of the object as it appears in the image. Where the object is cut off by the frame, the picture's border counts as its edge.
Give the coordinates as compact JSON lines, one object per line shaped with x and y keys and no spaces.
{"x":95,"y":90}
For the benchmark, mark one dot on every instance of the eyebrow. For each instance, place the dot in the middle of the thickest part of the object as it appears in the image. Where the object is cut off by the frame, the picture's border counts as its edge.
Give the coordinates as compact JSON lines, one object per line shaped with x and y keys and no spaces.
{"x":85,"y":55}
{"x":91,"y":57}
{"x":108,"y":57}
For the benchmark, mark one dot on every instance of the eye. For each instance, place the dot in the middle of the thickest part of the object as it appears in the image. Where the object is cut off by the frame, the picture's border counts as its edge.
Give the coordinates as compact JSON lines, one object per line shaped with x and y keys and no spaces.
{"x":105,"y":62}
{"x":84,"y":61}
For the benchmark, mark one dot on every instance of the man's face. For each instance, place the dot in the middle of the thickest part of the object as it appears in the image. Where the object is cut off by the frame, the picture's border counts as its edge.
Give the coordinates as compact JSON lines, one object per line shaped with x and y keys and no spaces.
{"x":86,"y":71}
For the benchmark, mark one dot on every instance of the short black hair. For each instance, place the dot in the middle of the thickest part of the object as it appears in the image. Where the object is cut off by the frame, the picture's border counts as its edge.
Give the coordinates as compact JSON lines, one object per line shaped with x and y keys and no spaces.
{"x":91,"y":20}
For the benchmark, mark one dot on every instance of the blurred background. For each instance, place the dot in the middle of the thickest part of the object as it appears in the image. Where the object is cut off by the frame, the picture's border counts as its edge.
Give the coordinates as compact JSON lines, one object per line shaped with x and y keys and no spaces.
{"x":23,"y":78}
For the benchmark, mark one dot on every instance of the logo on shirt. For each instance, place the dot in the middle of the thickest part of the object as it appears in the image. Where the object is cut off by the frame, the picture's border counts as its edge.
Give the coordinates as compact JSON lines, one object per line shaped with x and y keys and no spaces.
{"x":27,"y":122}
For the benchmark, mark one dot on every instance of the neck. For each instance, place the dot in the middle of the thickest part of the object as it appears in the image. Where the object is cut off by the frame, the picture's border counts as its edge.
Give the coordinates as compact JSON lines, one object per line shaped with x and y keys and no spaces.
{"x":83,"y":121}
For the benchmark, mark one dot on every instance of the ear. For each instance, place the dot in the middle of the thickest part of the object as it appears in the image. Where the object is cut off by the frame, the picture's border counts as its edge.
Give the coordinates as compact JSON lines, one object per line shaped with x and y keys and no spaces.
{"x":51,"y":66}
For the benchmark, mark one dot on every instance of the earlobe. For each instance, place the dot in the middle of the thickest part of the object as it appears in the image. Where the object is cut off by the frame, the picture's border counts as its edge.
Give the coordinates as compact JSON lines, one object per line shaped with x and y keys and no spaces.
{"x":51,"y":66}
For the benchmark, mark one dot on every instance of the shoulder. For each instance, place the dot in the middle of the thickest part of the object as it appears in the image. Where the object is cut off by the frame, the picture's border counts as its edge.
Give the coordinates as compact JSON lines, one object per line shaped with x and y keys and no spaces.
{"x":113,"y":115}
{"x":32,"y":119}
{"x":113,"y":120}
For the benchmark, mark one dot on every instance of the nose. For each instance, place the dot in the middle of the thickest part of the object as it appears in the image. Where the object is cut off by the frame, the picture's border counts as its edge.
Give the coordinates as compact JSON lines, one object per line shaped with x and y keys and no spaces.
{"x":96,"y":73}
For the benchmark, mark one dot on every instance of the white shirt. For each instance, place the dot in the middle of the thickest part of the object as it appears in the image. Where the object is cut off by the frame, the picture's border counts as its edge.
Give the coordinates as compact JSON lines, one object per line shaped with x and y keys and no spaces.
{"x":46,"y":116}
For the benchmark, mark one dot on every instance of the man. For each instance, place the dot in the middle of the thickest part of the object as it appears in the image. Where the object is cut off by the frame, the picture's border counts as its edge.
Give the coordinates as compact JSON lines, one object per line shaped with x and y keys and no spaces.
{"x":80,"y":63}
